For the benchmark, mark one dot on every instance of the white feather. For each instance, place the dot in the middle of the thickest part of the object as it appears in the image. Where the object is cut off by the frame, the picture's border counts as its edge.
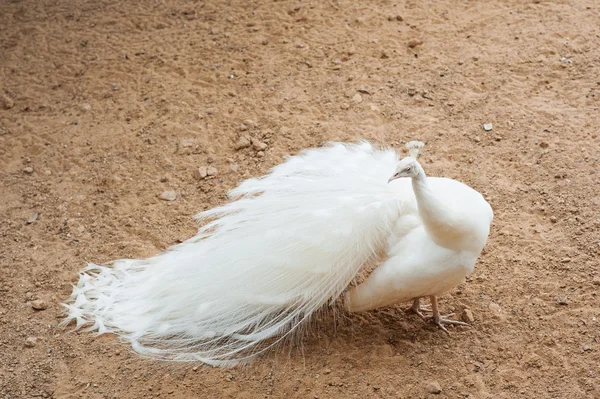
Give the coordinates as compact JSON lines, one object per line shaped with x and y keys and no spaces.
{"x":289,"y":244}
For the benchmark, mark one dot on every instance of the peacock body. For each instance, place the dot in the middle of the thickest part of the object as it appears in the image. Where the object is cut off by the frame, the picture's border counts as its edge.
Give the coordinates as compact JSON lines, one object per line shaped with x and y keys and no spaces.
{"x":288,"y":244}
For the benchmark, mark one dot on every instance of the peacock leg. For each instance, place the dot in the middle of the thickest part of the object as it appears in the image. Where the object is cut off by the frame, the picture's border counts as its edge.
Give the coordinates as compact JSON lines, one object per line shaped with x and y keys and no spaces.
{"x":440,"y":320}
{"x":417,"y":309}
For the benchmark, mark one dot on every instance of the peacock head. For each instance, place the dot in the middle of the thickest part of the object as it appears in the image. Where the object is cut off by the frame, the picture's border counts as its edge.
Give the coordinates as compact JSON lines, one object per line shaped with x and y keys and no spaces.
{"x":409,"y":166}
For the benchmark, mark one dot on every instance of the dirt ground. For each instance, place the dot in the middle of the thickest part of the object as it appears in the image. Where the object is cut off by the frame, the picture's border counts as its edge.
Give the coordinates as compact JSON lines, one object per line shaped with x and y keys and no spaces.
{"x":105,"y":104}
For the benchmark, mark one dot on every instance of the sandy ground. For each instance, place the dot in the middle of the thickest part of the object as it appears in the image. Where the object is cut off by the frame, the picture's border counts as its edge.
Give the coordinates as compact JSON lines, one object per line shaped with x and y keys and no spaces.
{"x":104,"y":105}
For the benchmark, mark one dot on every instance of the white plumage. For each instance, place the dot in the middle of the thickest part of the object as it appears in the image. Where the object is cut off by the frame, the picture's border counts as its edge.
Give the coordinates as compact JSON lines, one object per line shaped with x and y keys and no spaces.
{"x":428,"y":253}
{"x":289,"y":244}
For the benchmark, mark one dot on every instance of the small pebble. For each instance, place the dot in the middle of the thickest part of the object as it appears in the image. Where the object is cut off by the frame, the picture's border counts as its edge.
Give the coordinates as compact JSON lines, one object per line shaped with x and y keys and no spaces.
{"x":562,"y":300}
{"x":243,"y":142}
{"x":587,"y":348}
{"x":414,"y":43}
{"x":243,"y":127}
{"x":434,"y":387}
{"x":85,"y":107}
{"x":258,"y":146}
{"x":7,"y":102}
{"x":30,"y":342}
{"x":234,"y":168}
{"x":566,"y":61}
{"x":543,"y":144}
{"x":477,"y":139}
{"x":487,"y":127}
{"x":200,"y":173}
{"x":357,"y":98}
{"x":260,"y":154}
{"x":565,"y":260}
{"x":28,"y":170}
{"x":553,"y":219}
{"x":169,"y":195}
{"x":39,"y":304}
{"x":211,"y":171}
{"x":467,"y":316}
{"x":327,"y":371}
{"x":32,"y":218}
{"x":494,"y":307}
{"x":596,"y":281}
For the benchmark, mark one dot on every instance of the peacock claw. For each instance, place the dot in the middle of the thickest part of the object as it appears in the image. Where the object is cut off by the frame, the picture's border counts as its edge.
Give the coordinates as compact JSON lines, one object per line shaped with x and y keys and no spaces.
{"x":441,"y":320}
{"x":417,"y":309}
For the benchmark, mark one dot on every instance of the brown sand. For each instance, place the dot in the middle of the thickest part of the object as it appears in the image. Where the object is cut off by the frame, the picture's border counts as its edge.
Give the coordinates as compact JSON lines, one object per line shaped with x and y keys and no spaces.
{"x":111,"y":103}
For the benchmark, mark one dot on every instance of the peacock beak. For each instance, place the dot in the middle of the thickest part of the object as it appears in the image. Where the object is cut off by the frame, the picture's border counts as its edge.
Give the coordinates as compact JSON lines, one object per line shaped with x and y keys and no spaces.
{"x":393,"y":177}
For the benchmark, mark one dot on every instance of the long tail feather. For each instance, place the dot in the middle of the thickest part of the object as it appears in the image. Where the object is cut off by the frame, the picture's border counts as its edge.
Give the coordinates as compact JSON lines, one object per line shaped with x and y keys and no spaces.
{"x":288,"y":245}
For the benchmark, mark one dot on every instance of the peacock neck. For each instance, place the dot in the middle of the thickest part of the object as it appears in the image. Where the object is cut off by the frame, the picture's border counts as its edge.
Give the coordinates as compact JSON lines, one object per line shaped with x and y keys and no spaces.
{"x":436,"y":215}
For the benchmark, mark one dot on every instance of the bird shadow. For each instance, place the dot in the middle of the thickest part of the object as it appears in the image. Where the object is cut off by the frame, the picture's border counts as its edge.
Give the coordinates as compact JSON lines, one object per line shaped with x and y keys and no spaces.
{"x":381,"y":333}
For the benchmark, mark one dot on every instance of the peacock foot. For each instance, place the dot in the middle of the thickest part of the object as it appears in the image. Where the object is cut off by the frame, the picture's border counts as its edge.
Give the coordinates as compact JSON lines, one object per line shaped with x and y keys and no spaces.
{"x":440,"y":320}
{"x":417,"y":309}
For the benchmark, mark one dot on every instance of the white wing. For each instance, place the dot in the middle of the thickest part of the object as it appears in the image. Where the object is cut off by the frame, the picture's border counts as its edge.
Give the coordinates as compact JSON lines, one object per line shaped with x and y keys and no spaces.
{"x":416,"y":265}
